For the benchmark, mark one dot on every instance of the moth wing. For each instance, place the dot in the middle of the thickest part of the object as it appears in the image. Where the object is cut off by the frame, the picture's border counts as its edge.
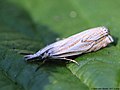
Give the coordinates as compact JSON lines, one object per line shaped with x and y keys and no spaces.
{"x":55,"y":46}
{"x":79,"y":48}
{"x":65,"y":45}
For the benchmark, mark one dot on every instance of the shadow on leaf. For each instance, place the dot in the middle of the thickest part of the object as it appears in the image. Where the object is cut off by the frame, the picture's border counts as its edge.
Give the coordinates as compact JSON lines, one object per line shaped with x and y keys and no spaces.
{"x":21,"y":32}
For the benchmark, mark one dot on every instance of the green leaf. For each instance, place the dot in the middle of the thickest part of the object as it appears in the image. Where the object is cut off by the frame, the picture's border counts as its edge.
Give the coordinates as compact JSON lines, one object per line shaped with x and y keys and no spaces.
{"x":6,"y":83}
{"x":29,"y":25}
{"x":20,"y":34}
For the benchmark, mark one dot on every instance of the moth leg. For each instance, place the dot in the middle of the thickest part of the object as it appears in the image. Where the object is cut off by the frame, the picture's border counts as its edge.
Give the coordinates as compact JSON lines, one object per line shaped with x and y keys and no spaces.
{"x":70,"y":60}
{"x":43,"y":62}
{"x":67,"y":60}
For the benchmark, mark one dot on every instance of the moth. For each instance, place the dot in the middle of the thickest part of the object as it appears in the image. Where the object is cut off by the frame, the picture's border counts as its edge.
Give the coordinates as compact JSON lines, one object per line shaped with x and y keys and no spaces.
{"x":83,"y":42}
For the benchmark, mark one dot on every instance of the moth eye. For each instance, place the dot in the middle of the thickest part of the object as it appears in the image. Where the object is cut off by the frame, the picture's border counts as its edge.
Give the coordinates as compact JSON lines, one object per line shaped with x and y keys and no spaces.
{"x":105,"y":30}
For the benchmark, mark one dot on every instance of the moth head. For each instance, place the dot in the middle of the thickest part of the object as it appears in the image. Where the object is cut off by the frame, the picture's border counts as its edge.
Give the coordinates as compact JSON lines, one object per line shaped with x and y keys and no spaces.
{"x":101,"y":31}
{"x":95,"y":34}
{"x":105,"y":30}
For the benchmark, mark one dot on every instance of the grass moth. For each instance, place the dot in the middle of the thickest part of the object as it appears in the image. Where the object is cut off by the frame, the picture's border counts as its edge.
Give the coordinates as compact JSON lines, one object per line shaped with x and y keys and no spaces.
{"x":83,"y":42}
